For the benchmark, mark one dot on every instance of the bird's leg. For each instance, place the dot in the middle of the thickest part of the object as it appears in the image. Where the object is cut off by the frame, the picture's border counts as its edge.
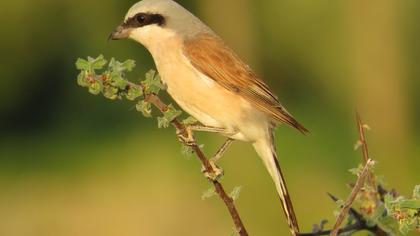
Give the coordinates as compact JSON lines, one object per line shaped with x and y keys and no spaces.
{"x":221,"y":151}
{"x":210,"y":129}
{"x":186,"y":136}
{"x":218,"y":172}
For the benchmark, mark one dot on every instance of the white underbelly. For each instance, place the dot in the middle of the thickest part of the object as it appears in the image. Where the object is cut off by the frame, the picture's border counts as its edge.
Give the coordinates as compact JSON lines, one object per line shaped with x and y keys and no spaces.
{"x":203,"y":116}
{"x":210,"y":103}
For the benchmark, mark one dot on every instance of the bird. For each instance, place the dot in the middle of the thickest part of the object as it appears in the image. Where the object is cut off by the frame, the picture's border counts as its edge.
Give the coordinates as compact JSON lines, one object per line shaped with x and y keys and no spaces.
{"x":209,"y":81}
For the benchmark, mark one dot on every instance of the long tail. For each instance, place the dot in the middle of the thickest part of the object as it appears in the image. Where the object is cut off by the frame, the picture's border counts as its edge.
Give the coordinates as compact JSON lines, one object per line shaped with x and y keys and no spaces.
{"x":267,"y":151}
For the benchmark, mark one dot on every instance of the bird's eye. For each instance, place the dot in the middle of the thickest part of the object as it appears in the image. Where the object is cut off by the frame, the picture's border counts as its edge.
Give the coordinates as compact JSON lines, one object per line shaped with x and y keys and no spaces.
{"x":141,"y":18}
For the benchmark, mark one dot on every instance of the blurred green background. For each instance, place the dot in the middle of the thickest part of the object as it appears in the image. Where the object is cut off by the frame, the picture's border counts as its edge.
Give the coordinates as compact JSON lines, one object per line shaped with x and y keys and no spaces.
{"x":75,"y":164}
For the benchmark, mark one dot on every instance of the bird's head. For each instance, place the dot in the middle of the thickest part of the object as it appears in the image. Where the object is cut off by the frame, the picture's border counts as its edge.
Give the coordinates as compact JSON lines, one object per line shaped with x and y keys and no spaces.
{"x":154,"y":20}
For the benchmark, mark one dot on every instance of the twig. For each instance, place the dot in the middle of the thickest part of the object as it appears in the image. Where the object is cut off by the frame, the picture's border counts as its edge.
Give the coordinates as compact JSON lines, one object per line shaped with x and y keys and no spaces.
{"x":359,"y":225}
{"x":365,"y":150}
{"x":356,"y":189}
{"x":350,"y":228}
{"x":182,"y":129}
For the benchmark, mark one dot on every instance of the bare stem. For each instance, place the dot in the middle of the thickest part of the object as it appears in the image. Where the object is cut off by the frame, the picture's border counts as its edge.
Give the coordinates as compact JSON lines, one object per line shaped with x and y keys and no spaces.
{"x":365,"y":150}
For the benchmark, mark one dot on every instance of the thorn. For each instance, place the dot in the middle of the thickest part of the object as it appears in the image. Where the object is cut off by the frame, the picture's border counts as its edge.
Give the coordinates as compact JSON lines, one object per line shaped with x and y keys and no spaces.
{"x":335,"y":199}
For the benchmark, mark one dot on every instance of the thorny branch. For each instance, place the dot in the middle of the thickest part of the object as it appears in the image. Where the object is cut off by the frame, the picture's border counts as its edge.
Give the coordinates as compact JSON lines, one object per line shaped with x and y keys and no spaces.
{"x":346,"y":209}
{"x":182,"y":130}
{"x":361,"y":223}
{"x":356,"y":189}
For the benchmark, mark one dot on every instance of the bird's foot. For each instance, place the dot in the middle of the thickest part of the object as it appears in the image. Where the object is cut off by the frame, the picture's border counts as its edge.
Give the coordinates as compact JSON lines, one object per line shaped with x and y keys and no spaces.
{"x":186,"y":136}
{"x":216,"y":172}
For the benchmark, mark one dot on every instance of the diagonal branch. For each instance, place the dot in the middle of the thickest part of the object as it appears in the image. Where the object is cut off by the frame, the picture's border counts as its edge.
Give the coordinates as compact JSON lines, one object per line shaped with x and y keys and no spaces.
{"x":356,"y":189}
{"x":182,"y":129}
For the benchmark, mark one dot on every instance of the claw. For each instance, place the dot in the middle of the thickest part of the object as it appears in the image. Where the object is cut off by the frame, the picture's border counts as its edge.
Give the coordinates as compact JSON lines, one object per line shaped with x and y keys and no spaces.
{"x":186,"y":136}
{"x":216,"y":174}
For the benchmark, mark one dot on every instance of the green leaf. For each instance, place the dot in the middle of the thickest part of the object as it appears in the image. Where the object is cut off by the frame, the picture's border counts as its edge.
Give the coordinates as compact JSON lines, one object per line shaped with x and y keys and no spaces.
{"x":357,"y":171}
{"x":235,"y":193}
{"x":117,"y":80}
{"x":95,"y":88}
{"x":97,"y":63}
{"x":190,"y":121}
{"x":209,"y":193}
{"x":404,"y":211}
{"x":388,"y":201}
{"x":389,"y":225}
{"x":407,"y":225}
{"x":152,"y":83}
{"x":145,"y":108}
{"x":172,"y":113}
{"x":133,"y":93}
{"x":110,"y":92}
{"x":129,"y":65}
{"x":168,"y":116}
{"x":82,"y":64}
{"x":82,"y":81}
{"x":380,"y":212}
{"x":120,"y":68}
{"x":150,"y":75}
{"x":187,"y":151}
{"x":163,"y":122}
{"x":410,"y":203}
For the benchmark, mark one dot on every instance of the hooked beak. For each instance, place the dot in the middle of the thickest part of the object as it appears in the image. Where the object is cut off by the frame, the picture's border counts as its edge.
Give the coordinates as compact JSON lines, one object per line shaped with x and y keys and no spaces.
{"x":120,"y":32}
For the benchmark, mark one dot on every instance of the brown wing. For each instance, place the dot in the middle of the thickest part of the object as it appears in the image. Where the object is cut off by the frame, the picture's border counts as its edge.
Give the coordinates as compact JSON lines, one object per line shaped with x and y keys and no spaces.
{"x":212,"y":57}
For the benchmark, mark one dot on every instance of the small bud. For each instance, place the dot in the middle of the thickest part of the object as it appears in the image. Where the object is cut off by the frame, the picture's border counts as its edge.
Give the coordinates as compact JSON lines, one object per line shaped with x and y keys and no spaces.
{"x":358,"y":145}
{"x":366,"y":127}
{"x":133,"y":93}
{"x":145,"y":108}
{"x":95,"y":88}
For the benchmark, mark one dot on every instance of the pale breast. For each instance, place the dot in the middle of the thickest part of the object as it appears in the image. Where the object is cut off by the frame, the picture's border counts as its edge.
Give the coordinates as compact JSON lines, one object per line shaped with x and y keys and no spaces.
{"x":199,"y":95}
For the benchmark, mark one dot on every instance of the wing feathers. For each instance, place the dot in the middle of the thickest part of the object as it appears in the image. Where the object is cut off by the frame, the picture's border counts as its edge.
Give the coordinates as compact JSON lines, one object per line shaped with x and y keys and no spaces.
{"x":212,"y":57}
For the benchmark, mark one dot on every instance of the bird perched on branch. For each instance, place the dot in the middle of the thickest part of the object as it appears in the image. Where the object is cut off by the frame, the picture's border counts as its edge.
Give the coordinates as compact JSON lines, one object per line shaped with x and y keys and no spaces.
{"x":211,"y":83}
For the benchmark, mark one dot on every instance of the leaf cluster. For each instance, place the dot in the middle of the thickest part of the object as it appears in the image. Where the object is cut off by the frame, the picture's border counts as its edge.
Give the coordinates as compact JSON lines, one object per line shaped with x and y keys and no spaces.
{"x":110,"y":79}
{"x":392,"y":213}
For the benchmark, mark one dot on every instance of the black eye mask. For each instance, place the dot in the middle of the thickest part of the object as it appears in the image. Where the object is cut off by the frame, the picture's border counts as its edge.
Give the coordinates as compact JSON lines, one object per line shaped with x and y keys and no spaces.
{"x":143,"y":19}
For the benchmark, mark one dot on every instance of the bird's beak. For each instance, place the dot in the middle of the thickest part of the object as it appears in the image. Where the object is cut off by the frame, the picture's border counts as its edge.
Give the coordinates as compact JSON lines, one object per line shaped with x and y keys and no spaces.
{"x":120,"y":32}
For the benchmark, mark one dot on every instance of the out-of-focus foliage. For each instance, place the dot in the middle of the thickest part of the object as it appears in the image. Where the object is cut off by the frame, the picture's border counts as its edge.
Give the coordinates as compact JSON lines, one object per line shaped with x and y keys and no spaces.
{"x":392,"y":213}
{"x":405,"y":211}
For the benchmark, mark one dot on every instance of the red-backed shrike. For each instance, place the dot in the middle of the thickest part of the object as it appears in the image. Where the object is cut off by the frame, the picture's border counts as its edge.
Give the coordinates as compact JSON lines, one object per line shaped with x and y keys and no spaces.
{"x":210,"y":82}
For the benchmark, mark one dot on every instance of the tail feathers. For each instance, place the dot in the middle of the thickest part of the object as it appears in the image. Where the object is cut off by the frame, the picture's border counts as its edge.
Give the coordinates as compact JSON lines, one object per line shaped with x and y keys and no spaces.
{"x":267,"y":153}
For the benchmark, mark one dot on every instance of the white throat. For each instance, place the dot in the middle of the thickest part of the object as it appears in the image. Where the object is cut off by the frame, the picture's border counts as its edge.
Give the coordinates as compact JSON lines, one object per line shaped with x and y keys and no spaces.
{"x":156,"y":39}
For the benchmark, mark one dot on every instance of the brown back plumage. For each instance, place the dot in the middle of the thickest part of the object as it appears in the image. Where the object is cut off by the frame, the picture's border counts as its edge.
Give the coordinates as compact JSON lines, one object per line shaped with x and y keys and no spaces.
{"x":209,"y":54}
